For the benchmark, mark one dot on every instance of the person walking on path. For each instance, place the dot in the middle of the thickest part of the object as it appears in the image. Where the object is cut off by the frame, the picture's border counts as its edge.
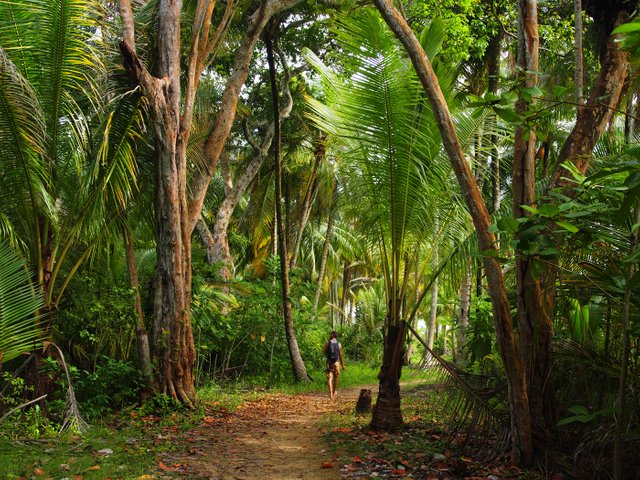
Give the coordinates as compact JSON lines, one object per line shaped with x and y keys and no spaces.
{"x":333,"y":352}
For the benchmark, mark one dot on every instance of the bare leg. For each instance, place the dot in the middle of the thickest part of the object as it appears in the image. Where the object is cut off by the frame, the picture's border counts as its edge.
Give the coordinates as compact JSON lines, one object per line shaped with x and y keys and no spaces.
{"x":335,"y":384}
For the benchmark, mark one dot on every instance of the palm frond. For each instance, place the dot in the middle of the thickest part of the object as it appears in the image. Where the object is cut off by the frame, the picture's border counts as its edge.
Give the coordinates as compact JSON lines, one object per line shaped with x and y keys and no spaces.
{"x":19,"y":302}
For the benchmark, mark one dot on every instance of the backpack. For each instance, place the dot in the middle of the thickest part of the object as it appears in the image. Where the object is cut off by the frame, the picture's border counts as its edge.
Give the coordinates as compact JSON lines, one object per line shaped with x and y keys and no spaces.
{"x":333,"y":353}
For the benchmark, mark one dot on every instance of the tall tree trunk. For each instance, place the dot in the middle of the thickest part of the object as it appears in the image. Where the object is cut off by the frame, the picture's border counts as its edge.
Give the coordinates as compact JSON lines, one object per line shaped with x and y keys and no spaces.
{"x":346,"y":282}
{"x":493,"y":72}
{"x":144,"y":354}
{"x":299,"y":369}
{"x":577,"y":12}
{"x":465,"y":310}
{"x":535,"y":332}
{"x":323,"y":260}
{"x":433,"y":315}
{"x":522,"y":451}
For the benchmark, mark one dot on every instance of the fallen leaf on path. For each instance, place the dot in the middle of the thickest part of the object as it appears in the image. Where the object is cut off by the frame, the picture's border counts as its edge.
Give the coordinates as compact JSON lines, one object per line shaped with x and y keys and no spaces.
{"x":165,"y":468}
{"x":38,"y":471}
{"x":94,"y":467}
{"x":327,"y":465}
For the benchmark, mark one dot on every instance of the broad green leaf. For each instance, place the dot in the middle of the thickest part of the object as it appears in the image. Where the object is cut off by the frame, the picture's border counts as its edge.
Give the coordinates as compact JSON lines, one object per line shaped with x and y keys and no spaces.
{"x":508,"y":224}
{"x":568,"y":226}
{"x":628,"y":28}
{"x":507,"y":114}
{"x":548,"y":210}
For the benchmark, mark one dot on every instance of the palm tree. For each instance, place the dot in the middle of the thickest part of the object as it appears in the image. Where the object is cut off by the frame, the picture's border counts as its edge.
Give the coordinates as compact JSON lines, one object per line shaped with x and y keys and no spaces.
{"x":398,"y":175}
{"x":66,"y":137}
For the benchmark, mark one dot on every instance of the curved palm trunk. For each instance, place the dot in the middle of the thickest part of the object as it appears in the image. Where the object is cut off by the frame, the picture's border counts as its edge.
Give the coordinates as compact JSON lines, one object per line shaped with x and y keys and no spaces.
{"x":522,"y":448}
{"x":299,"y":369}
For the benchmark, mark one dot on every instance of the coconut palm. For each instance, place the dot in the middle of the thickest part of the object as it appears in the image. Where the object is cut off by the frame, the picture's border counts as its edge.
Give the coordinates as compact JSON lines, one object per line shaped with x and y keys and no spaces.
{"x":398,"y":175}
{"x":66,"y":137}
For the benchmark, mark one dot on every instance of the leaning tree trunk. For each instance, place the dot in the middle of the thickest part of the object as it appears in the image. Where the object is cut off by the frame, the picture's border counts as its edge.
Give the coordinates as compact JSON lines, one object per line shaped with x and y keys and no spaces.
{"x":535,"y":331}
{"x":522,"y":445}
{"x":220,"y":251}
{"x":299,"y":369}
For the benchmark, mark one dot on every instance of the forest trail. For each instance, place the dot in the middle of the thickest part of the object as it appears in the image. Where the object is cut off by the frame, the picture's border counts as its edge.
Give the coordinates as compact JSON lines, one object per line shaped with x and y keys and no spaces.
{"x":275,"y":437}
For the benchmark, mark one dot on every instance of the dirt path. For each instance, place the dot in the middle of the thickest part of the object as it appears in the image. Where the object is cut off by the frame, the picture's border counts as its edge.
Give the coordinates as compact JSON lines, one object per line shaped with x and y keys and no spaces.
{"x":276,"y":437}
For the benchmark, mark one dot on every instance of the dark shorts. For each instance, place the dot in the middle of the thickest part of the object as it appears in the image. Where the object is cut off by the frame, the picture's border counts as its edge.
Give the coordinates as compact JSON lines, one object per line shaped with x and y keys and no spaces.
{"x":333,"y":370}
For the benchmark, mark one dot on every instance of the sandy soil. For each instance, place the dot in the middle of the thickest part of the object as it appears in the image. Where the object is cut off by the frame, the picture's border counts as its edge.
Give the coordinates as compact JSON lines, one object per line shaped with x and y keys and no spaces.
{"x":276,"y":437}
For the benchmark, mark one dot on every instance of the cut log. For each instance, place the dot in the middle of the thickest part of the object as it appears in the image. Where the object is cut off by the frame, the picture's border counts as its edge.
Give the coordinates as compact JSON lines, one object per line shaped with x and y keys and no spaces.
{"x":364,"y":401}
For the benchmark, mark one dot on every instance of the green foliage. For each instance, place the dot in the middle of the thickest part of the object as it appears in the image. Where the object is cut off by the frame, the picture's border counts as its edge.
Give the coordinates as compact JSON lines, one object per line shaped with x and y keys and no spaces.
{"x":96,"y":320}
{"x":244,"y":334}
{"x":480,"y":334}
{"x":113,"y":385}
{"x":19,"y":303}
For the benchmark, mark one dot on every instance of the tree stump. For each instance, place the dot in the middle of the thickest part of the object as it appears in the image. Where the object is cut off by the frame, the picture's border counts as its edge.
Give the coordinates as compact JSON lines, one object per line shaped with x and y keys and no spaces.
{"x":364,"y":401}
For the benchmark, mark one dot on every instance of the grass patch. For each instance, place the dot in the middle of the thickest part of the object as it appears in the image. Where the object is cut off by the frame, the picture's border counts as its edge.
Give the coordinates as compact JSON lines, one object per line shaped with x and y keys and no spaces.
{"x":126,"y":445}
{"x":231,"y":394}
{"x":71,"y":455}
